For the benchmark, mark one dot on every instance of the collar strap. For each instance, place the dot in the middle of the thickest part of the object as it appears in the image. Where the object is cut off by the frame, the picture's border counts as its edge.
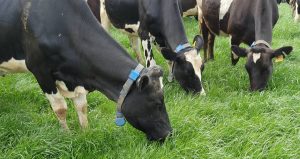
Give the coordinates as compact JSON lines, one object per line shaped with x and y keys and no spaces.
{"x":181,"y":47}
{"x":133,"y":76}
{"x":260,"y":42}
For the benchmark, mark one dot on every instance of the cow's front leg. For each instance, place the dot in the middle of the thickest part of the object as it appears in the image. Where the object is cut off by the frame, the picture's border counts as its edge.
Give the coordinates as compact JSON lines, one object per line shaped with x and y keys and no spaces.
{"x":205,"y":34}
{"x":81,"y":105}
{"x":135,"y":43}
{"x":234,"y":57}
{"x":147,"y":47}
{"x":104,"y":20}
{"x":59,"y":106}
{"x":47,"y":84}
{"x":211,"y":43}
{"x":170,"y":76}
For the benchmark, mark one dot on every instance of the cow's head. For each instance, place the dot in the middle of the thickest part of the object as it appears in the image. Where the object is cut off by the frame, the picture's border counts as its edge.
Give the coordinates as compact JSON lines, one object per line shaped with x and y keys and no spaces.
{"x":295,"y":4}
{"x":259,"y":63}
{"x":187,"y":66}
{"x":144,"y":106}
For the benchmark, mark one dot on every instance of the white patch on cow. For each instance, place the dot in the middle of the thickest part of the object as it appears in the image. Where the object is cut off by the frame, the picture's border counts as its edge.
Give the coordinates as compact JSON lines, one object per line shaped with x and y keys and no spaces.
{"x":132,"y":27}
{"x":256,"y":57}
{"x":297,"y":16}
{"x":161,"y":82}
{"x":224,"y":7}
{"x":200,"y":13}
{"x":79,"y":98}
{"x":170,"y":75}
{"x":234,"y":55}
{"x":147,"y":53}
{"x":13,"y":66}
{"x":59,"y":106}
{"x":105,"y":22}
{"x":70,"y":94}
{"x":191,"y":12}
{"x":196,"y":61}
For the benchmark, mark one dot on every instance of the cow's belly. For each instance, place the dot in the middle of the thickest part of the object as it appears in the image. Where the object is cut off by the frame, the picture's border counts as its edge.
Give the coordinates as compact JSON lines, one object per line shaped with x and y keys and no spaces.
{"x":13,"y":66}
{"x":131,"y":29}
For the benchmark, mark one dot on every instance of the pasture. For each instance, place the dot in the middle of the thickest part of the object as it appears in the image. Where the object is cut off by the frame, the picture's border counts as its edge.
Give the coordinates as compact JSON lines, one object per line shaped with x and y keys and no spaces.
{"x":229,"y":122}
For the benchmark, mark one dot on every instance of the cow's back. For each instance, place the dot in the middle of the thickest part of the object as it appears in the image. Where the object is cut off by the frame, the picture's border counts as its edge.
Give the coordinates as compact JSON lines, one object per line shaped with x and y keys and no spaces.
{"x":10,"y":30}
{"x":256,"y":17}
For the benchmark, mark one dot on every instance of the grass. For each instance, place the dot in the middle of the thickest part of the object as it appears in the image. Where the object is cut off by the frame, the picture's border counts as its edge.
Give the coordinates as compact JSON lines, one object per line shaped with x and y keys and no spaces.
{"x":229,"y":122}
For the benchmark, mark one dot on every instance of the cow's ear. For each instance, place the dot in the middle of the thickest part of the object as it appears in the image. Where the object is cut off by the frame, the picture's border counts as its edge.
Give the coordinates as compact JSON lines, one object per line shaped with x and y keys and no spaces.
{"x":282,"y":51}
{"x":142,"y":82}
{"x":168,"y":54}
{"x":198,"y":43}
{"x":240,"y":52}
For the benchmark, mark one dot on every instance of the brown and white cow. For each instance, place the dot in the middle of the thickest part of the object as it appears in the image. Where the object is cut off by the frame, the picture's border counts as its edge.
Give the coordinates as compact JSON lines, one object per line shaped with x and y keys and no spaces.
{"x":244,"y":21}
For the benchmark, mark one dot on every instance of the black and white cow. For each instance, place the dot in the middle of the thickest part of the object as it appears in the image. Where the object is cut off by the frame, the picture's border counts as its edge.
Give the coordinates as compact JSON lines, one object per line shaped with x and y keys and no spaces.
{"x":161,"y":21}
{"x":249,"y":22}
{"x":71,"y":55}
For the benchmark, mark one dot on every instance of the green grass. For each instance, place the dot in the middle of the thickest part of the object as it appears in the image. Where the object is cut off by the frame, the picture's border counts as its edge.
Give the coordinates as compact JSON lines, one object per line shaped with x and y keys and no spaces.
{"x":229,"y":122}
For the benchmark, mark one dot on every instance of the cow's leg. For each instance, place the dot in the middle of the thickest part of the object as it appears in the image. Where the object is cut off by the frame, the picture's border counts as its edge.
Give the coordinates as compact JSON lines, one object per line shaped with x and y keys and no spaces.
{"x":104,"y":20}
{"x":211,"y":43}
{"x":205,"y":34}
{"x":136,"y":46}
{"x":147,"y":47}
{"x":234,"y":57}
{"x":57,"y":101}
{"x":59,"y":106}
{"x":81,"y":105}
{"x":170,"y":76}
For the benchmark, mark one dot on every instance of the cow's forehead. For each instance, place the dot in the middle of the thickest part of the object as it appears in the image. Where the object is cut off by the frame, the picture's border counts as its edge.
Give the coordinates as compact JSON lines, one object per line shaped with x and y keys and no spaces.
{"x":196,"y":61}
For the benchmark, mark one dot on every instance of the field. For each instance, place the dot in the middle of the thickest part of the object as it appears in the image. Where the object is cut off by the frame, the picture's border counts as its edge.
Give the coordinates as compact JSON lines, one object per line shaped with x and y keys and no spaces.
{"x":229,"y":122}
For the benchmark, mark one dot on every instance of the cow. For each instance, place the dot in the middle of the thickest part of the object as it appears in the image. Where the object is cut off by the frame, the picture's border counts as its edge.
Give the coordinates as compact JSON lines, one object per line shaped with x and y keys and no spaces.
{"x":249,"y":22}
{"x":159,"y":21}
{"x":70,"y":55}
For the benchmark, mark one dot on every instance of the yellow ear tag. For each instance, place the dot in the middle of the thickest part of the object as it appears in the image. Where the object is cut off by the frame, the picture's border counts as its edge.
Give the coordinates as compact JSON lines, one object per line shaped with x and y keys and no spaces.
{"x":194,"y":44}
{"x":279,"y":58}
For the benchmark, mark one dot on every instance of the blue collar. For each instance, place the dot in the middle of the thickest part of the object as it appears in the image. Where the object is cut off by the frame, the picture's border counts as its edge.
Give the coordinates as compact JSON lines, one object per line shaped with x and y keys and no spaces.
{"x":260,"y":42}
{"x":181,"y":47}
{"x":133,"y":76}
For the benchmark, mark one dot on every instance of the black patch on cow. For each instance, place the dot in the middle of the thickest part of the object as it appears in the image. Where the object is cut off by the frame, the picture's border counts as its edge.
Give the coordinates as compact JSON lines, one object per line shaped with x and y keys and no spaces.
{"x":122,"y":12}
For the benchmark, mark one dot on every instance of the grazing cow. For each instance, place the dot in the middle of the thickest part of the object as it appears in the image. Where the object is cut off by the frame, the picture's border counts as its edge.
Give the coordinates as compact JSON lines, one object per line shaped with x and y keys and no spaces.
{"x":244,"y":21}
{"x":160,"y":21}
{"x":70,"y":55}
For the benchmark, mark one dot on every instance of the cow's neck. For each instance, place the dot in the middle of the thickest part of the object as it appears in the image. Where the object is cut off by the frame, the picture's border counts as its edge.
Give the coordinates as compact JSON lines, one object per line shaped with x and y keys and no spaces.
{"x":110,"y":66}
{"x":171,"y":27}
{"x":264,"y":21}
{"x":97,"y":61}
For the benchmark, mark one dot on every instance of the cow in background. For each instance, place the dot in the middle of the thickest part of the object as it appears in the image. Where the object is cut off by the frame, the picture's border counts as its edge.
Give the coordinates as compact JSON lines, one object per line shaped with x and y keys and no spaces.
{"x":244,"y":21}
{"x":159,"y":21}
